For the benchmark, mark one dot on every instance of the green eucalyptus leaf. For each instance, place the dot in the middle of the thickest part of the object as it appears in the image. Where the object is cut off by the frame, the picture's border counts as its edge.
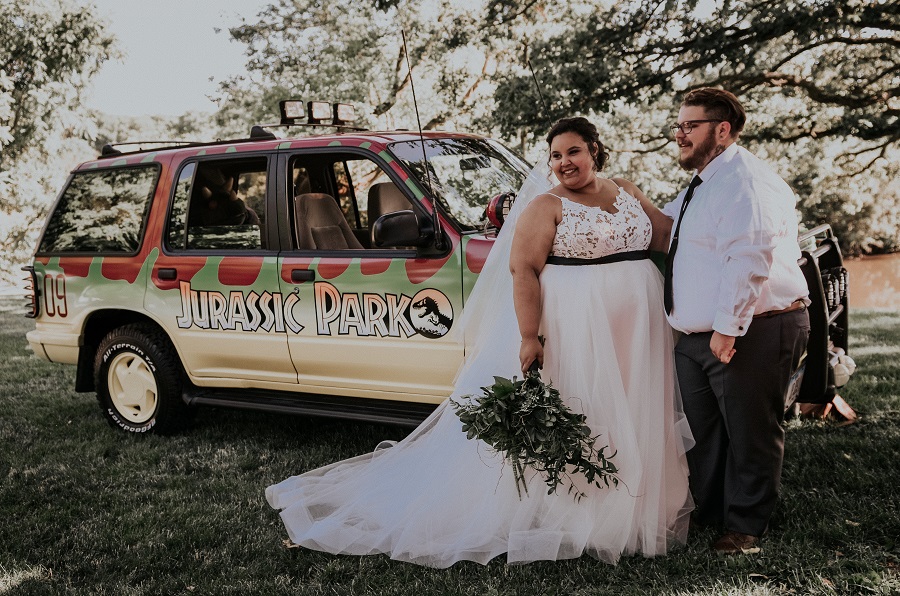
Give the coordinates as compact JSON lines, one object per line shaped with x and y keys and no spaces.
{"x":527,"y":421}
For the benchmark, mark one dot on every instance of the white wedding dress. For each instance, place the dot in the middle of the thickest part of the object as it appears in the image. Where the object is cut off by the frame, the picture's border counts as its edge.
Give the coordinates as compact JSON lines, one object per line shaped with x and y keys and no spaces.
{"x":436,"y":498}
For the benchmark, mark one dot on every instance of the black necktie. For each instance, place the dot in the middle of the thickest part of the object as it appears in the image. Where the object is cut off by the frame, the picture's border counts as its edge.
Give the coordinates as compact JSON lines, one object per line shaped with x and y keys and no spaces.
{"x":670,"y":258}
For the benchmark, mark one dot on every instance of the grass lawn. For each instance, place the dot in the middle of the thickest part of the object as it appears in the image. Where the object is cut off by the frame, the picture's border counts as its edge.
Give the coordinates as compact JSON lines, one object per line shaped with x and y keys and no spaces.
{"x":86,"y":509}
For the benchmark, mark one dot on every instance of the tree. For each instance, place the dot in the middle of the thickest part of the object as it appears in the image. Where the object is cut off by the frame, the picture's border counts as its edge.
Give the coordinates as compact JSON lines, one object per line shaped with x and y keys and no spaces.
{"x":820,"y":79}
{"x":354,"y":51}
{"x":49,"y":50}
{"x":834,"y":60}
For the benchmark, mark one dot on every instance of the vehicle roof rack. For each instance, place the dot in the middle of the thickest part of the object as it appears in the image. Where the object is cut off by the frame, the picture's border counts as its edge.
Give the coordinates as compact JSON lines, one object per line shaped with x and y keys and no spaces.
{"x":338,"y":127}
{"x":110,"y":150}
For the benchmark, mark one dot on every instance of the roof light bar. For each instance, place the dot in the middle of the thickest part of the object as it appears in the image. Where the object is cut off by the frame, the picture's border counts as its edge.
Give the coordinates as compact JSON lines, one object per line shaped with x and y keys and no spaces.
{"x":296,"y":112}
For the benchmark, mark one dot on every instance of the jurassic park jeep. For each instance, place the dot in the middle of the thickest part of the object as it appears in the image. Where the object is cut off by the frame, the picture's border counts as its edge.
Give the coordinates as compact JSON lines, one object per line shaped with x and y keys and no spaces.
{"x":318,"y":275}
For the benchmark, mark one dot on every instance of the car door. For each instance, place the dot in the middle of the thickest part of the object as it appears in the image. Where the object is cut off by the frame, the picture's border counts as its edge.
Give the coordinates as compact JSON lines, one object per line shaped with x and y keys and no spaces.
{"x":214,"y":285}
{"x":376,"y":321}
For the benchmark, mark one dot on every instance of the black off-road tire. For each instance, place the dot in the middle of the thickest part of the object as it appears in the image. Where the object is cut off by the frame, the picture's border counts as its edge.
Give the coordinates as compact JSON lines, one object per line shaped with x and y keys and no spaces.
{"x":139,"y":381}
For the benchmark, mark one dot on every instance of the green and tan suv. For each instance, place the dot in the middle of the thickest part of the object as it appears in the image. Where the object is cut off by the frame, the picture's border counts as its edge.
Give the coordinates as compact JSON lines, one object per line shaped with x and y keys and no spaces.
{"x":319,"y":274}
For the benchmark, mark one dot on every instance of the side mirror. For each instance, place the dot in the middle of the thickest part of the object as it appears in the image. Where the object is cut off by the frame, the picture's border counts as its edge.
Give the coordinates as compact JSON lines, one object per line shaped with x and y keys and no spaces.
{"x":401,"y":228}
{"x":498,"y":208}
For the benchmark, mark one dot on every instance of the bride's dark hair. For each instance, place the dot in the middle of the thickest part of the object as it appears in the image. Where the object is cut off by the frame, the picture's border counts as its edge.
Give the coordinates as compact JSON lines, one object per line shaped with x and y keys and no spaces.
{"x":584,"y":129}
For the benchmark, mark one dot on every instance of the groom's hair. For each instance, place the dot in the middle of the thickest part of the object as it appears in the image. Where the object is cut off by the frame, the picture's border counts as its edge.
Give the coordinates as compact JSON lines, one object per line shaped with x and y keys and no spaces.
{"x":719,"y":105}
{"x":587,"y":131}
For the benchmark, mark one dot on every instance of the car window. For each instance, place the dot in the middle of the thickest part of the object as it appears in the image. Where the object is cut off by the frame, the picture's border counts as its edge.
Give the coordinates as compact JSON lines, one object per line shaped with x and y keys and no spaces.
{"x":219,"y":205}
{"x":465,"y":173}
{"x":337,"y":199}
{"x":101,"y":211}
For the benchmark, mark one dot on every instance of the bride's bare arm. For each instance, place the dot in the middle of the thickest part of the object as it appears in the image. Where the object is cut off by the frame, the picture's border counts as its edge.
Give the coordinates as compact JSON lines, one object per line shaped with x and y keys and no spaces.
{"x":532,"y":243}
{"x":662,"y":225}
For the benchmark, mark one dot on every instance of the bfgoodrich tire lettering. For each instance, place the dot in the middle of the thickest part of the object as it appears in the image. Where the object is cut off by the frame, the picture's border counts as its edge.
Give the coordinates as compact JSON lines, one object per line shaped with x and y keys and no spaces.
{"x":139,"y":381}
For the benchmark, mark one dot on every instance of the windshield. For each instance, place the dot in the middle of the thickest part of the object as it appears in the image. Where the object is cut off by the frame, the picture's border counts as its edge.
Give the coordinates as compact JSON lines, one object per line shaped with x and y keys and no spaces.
{"x":465,"y":173}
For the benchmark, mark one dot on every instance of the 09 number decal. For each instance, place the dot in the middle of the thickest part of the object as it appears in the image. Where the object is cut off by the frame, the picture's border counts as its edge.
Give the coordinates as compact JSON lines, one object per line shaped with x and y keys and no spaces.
{"x":55,"y":295}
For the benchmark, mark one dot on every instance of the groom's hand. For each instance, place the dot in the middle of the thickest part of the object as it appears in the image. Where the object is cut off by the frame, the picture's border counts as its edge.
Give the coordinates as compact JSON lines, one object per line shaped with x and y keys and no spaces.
{"x":722,"y":347}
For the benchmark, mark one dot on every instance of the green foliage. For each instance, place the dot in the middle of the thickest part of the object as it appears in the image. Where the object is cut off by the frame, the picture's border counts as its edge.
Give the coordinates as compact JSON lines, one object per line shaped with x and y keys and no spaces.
{"x":49,"y":50}
{"x":190,"y":126}
{"x":834,"y":60}
{"x":819,"y":79}
{"x":351,"y":51}
{"x":527,"y":421}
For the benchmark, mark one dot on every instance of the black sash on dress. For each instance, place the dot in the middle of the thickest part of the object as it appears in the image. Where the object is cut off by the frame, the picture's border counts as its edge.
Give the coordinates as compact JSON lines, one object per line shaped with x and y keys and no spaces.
{"x":631,"y":255}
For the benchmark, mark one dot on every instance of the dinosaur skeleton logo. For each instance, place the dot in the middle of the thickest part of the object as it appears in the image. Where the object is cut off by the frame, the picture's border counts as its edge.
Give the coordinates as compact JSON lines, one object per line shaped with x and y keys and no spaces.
{"x":431,"y":313}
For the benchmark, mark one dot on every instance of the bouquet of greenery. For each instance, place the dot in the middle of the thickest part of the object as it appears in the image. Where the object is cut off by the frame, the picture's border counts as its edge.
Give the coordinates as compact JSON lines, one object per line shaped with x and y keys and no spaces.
{"x":528,"y":422}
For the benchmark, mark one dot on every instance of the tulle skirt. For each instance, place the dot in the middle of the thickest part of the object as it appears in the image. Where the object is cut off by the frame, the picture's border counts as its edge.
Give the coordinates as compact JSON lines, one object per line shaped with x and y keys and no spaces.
{"x":436,"y":498}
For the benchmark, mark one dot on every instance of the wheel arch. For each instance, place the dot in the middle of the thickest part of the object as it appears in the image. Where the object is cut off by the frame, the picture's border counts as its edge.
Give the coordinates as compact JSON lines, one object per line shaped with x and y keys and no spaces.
{"x":96,"y":326}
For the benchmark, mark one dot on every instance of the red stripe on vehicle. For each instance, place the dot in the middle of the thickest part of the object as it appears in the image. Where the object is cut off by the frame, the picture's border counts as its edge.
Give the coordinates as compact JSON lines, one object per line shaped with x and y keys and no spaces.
{"x":374,"y":266}
{"x":120,"y":270}
{"x":75,"y":266}
{"x":239,"y":271}
{"x":476,"y":254}
{"x":331,"y":268}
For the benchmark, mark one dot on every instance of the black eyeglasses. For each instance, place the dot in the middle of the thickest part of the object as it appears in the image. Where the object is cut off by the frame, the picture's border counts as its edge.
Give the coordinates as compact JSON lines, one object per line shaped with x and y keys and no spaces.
{"x":687,"y":127}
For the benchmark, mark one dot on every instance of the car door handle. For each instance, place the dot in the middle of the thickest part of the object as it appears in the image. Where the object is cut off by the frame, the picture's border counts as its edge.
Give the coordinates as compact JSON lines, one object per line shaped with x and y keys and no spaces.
{"x":167,"y":273}
{"x":302,"y":275}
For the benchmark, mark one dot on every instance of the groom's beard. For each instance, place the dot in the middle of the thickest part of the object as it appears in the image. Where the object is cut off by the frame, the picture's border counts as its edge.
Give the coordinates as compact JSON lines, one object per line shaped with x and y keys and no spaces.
{"x":702,"y":153}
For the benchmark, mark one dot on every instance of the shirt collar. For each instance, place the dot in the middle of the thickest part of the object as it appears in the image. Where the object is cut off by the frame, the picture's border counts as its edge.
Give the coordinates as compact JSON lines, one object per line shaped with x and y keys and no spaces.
{"x":712,"y":167}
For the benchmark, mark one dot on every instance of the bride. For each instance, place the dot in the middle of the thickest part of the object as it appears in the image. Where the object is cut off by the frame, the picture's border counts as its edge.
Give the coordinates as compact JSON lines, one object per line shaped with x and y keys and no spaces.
{"x":435,"y":497}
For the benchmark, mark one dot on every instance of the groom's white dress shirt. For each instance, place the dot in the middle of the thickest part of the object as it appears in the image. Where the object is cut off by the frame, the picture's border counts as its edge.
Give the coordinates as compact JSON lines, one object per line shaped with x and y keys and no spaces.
{"x":737,"y":252}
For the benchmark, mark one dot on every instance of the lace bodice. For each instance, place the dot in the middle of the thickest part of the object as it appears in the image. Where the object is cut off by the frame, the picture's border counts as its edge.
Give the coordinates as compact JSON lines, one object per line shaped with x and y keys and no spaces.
{"x":592,"y":232}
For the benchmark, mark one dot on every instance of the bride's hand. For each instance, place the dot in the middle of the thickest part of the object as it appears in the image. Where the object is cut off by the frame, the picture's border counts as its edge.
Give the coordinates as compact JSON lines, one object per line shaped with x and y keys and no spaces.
{"x":530,"y":351}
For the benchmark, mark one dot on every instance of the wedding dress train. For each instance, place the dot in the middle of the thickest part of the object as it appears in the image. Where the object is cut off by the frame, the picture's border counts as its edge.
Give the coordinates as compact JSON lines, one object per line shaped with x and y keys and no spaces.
{"x":436,"y":498}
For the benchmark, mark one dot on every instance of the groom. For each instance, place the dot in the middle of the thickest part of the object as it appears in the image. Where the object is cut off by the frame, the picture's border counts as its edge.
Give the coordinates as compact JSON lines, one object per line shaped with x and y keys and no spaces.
{"x":733,"y":287}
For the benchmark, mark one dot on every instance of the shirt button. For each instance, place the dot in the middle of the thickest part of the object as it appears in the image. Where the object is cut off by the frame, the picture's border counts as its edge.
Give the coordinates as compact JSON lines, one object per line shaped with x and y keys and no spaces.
{"x":740,"y":328}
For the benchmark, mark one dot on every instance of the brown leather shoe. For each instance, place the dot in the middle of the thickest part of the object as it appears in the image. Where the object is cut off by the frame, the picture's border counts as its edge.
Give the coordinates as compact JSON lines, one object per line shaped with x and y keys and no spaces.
{"x":735,"y":543}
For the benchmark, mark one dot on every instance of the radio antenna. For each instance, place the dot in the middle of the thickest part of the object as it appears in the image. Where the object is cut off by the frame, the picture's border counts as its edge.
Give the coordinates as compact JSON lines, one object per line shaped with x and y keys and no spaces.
{"x":541,"y":95}
{"x":438,"y":232}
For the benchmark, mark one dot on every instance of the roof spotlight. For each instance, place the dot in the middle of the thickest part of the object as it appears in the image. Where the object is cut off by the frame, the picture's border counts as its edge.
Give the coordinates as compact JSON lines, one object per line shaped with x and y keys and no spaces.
{"x":344,"y":113}
{"x":292,"y":110}
{"x":319,"y":112}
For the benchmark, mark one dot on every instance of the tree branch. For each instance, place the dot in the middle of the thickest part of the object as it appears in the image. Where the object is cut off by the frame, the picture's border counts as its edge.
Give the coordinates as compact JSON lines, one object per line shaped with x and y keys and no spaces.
{"x":436,"y":121}
{"x":478,"y":81}
{"x":516,"y":14}
{"x":391,"y":100}
{"x":882,"y":152}
{"x":656,"y":149}
{"x":830,"y":40}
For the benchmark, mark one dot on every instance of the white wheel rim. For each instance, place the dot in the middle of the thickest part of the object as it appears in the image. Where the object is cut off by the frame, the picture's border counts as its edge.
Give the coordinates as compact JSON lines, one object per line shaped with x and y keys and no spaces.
{"x":132,"y":388}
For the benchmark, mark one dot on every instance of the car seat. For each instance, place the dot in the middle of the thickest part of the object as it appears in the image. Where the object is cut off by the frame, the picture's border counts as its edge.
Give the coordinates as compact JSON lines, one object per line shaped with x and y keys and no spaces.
{"x":320,"y":225}
{"x":384,"y":197}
